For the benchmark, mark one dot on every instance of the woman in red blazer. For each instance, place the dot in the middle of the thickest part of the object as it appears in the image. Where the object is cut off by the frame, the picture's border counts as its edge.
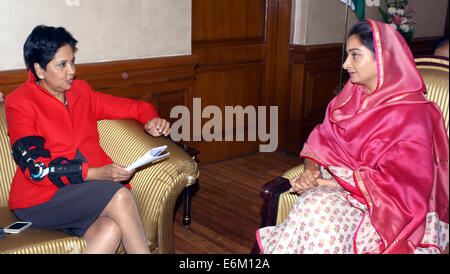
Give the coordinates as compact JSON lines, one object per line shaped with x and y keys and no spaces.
{"x":52,"y":122}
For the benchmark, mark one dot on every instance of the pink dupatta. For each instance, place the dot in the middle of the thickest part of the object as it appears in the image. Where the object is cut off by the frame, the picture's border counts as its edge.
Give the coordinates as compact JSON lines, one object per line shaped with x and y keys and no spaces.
{"x":395,"y":142}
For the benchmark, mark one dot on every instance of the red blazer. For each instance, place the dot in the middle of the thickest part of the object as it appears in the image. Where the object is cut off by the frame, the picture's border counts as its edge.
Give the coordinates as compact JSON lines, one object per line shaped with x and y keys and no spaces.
{"x":32,"y":110}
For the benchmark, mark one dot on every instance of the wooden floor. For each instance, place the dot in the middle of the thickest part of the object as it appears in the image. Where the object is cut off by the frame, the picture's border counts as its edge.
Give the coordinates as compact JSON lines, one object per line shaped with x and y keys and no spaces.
{"x":226,"y":208}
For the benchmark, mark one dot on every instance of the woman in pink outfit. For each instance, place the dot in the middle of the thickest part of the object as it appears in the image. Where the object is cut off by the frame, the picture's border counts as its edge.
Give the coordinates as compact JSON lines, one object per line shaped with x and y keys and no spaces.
{"x":376,"y":170}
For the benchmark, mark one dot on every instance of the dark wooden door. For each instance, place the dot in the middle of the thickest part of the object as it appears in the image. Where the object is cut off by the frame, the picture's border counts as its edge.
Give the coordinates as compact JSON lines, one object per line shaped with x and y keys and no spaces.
{"x":242,"y":46}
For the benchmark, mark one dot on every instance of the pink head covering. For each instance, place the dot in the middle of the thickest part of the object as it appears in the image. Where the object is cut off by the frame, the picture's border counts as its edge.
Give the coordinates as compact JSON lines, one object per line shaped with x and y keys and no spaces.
{"x":394,"y":140}
{"x":397,"y":75}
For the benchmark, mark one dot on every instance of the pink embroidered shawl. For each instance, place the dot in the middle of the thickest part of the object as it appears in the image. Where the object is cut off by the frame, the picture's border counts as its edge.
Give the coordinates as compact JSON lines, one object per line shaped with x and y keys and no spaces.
{"x":394,"y":140}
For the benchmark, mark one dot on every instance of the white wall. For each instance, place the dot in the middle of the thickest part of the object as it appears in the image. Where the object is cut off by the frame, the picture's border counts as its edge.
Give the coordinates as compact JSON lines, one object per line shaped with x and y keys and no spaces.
{"x":105,"y":29}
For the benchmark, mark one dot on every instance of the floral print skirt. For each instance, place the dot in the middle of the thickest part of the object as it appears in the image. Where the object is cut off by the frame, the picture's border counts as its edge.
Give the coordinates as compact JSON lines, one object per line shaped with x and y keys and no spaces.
{"x":322,"y":221}
{"x":327,"y":220}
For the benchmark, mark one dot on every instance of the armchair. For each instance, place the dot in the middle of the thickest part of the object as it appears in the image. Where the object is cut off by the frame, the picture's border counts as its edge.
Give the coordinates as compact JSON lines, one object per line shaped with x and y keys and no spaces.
{"x":155,"y":188}
{"x":278,"y":201}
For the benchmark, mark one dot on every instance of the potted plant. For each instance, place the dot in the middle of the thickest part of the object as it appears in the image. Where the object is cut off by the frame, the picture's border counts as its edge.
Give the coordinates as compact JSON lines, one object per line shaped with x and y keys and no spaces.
{"x":398,"y":14}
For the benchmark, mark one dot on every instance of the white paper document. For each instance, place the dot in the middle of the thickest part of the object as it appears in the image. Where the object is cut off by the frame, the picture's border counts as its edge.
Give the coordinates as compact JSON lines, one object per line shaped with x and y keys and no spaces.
{"x":152,"y":155}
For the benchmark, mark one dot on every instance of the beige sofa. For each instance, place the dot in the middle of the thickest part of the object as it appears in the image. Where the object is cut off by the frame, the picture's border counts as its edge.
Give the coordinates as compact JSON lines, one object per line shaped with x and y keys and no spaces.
{"x":155,"y":189}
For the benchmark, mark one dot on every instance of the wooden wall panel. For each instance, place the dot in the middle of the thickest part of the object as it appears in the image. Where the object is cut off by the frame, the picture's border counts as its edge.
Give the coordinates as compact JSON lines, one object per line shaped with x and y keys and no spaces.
{"x":164,"y":101}
{"x":237,"y":43}
{"x":226,"y":20}
{"x":424,"y":45}
{"x":231,"y":86}
{"x":234,"y":85}
{"x":314,"y":80}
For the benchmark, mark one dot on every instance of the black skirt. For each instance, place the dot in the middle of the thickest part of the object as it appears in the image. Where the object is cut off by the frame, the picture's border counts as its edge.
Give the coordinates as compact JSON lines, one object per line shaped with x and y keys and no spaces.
{"x":73,"y":208}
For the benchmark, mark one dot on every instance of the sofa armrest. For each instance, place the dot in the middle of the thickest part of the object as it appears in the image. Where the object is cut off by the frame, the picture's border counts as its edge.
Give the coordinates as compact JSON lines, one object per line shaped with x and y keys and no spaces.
{"x":125,"y":141}
{"x":293,"y":172}
{"x":155,"y":186}
{"x":271,"y":192}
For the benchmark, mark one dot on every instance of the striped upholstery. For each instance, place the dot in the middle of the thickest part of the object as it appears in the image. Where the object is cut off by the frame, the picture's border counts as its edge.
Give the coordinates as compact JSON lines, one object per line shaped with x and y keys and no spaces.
{"x":435,"y":75}
{"x":154,"y":187}
{"x":287,"y":199}
{"x":8,"y":166}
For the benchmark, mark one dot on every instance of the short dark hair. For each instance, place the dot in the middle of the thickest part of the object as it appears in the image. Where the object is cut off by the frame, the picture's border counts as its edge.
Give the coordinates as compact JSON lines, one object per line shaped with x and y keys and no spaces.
{"x":43,"y":43}
{"x":364,"y":31}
